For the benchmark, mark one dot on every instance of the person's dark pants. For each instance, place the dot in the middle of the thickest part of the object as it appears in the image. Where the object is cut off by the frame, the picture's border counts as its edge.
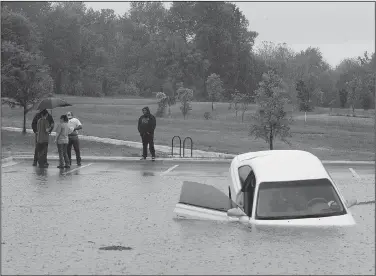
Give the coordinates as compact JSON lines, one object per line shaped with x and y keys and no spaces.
{"x":42,"y":149}
{"x":147,"y":139}
{"x":73,"y":141}
{"x":36,"y":153}
{"x":63,"y":154}
{"x":36,"y":149}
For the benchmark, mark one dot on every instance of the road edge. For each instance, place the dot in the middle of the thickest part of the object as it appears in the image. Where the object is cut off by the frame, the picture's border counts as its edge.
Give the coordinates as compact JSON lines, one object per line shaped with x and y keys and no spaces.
{"x":175,"y":160}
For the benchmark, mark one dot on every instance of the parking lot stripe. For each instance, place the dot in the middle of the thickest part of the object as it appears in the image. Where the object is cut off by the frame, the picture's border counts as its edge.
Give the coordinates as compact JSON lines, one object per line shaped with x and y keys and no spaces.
{"x":76,"y":169}
{"x":12,"y":163}
{"x":169,"y":170}
{"x":354,"y":173}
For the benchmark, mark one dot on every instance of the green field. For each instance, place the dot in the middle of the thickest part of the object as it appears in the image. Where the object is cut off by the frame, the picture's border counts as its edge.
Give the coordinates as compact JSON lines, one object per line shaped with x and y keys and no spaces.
{"x":329,"y":137}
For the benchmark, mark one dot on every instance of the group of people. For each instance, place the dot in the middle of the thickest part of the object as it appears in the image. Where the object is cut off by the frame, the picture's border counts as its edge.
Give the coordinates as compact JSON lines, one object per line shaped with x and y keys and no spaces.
{"x":66,"y":137}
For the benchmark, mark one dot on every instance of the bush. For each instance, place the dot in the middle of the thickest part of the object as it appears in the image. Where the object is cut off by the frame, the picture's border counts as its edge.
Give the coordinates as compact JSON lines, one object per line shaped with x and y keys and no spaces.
{"x":207,"y":115}
{"x":92,"y":88}
{"x":79,"y":88}
{"x":185,"y":96}
{"x":131,"y":89}
{"x":162,"y":104}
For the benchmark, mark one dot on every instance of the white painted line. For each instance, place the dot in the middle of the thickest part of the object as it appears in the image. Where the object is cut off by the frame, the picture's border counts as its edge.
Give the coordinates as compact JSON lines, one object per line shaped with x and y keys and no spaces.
{"x":169,"y":170}
{"x":76,"y":169}
{"x":355,"y":174}
{"x":9,"y":164}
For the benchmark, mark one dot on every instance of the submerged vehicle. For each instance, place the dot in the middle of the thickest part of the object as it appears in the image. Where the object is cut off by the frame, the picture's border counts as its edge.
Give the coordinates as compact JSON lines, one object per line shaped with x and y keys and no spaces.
{"x":279,"y":187}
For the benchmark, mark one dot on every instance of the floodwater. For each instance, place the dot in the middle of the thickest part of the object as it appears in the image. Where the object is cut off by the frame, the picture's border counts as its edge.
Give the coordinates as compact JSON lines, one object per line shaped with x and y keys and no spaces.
{"x":117,"y":218}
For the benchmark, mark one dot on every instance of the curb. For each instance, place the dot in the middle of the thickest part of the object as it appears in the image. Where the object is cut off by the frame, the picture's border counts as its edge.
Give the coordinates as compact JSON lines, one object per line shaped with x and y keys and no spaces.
{"x":6,"y":160}
{"x":343,"y":162}
{"x":183,"y":160}
{"x":132,"y":144}
{"x":129,"y":159}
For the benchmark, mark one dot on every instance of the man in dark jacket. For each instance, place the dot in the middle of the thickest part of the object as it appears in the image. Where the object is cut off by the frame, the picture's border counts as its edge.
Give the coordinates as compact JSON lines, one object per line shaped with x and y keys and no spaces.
{"x":146,"y":127}
{"x":34,"y":127}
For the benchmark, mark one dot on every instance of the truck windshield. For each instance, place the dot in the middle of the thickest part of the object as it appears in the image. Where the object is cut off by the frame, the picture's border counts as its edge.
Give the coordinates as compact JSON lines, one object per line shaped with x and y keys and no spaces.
{"x":298,"y":199}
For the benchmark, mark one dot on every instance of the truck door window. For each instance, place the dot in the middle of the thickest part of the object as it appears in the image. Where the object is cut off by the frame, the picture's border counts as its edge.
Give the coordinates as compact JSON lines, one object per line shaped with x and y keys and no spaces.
{"x":243,"y":172}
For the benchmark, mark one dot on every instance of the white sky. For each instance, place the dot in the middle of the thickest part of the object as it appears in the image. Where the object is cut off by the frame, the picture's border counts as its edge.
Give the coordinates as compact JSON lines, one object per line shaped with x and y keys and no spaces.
{"x":339,"y":29}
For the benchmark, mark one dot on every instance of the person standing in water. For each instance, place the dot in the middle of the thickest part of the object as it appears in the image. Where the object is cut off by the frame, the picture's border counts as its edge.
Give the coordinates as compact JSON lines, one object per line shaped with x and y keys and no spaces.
{"x":146,"y":128}
{"x":34,"y":127}
{"x":43,"y":135}
{"x":62,"y":142}
{"x":74,"y":125}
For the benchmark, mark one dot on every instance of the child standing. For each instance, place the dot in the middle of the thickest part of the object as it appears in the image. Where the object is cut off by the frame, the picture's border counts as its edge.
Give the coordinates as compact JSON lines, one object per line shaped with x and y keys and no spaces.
{"x":62,"y":141}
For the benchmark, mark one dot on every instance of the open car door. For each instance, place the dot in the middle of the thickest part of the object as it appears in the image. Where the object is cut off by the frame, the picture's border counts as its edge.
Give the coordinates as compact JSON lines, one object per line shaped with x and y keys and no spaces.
{"x":201,"y":201}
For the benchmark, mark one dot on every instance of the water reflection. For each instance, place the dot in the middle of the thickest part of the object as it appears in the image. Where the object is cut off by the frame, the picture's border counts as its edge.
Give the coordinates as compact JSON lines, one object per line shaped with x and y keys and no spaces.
{"x":41,"y":173}
{"x":147,"y":173}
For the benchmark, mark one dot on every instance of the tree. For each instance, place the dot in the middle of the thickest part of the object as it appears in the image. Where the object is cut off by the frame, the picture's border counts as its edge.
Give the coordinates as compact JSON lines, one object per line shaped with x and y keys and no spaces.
{"x":24,"y":78}
{"x":348,"y":69}
{"x":185,"y":95}
{"x":214,"y":88}
{"x":161,"y":97}
{"x":236,"y":101}
{"x":343,"y":97}
{"x":245,"y":101}
{"x":282,"y":59}
{"x":303,"y":97}
{"x":354,"y":88}
{"x":241,"y":102}
{"x":270,"y":120}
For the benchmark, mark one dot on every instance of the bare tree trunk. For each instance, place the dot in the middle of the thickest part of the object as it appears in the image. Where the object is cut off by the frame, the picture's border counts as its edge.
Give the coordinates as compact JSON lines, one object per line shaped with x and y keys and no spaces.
{"x":271,"y":140}
{"x":58,"y":82}
{"x":24,"y":120}
{"x":243,"y":116}
{"x":353,"y":110}
{"x":212,"y":106}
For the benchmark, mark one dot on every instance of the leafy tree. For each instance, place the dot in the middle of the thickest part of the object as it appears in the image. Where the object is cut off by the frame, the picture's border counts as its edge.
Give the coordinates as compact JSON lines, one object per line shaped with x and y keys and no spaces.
{"x":161,"y":97}
{"x":245,"y":101}
{"x":236,"y":102}
{"x":366,"y":100}
{"x":270,"y":121}
{"x":24,"y":78}
{"x":214,"y":88}
{"x":343,"y":97}
{"x":17,"y":28}
{"x":241,"y":102}
{"x":304,"y":97}
{"x":185,"y":95}
{"x":354,"y":87}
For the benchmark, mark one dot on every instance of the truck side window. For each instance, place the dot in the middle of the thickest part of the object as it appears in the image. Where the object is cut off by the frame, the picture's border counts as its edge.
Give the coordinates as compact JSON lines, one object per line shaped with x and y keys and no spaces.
{"x":249,"y":193}
{"x":243,"y":172}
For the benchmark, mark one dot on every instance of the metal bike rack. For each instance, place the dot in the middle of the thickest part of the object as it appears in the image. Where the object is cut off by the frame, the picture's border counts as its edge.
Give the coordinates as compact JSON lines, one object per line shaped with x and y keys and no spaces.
{"x":172,"y":146}
{"x":191,"y":146}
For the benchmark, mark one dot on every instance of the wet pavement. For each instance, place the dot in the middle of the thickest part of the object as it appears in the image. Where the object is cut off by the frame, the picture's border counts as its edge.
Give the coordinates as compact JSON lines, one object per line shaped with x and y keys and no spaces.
{"x":117,"y":218}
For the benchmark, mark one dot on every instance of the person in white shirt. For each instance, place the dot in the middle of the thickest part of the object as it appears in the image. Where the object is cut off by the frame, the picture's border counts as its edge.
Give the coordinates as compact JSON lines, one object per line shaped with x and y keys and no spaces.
{"x":74,"y":125}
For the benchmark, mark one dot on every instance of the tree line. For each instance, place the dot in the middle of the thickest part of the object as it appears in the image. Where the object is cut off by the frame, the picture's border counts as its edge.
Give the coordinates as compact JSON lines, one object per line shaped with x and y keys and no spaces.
{"x":205,"y":49}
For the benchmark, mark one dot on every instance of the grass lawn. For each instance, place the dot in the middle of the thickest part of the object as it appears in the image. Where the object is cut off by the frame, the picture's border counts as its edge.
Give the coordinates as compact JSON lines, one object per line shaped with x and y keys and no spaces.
{"x":328,"y":137}
{"x":16,"y":142}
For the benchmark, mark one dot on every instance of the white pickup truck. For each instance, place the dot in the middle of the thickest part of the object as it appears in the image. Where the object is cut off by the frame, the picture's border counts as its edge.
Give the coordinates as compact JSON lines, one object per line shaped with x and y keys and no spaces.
{"x":270,"y":188}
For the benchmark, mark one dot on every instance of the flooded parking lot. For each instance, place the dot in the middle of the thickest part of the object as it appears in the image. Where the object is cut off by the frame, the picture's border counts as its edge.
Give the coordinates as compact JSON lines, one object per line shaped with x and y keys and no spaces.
{"x":117,"y":218}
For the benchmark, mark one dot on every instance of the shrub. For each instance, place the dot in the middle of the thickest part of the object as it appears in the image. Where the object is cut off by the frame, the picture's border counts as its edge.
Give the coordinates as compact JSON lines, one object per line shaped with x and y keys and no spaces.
{"x":185,"y":95}
{"x":162,"y":104}
{"x":207,"y":115}
{"x":131,"y":89}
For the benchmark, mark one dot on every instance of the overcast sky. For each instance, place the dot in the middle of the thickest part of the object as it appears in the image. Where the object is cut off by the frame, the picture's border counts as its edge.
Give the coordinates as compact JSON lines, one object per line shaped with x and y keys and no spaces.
{"x":340,"y":30}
